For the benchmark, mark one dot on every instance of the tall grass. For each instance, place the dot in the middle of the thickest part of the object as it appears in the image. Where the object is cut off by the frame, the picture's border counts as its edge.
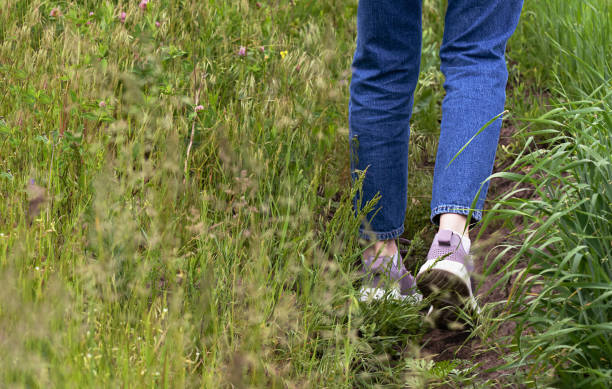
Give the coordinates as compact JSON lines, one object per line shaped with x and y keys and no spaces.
{"x":146,"y":264}
{"x":571,"y":56}
{"x":560,"y":272}
{"x":561,"y":275}
{"x":175,"y":209}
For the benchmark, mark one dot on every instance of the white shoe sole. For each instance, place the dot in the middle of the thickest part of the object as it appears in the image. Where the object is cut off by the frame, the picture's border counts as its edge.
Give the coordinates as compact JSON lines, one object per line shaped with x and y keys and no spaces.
{"x":374,"y":294}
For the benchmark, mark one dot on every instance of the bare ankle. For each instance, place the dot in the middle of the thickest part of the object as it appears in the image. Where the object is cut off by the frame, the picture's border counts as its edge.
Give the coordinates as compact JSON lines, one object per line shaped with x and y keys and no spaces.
{"x":454,"y":222}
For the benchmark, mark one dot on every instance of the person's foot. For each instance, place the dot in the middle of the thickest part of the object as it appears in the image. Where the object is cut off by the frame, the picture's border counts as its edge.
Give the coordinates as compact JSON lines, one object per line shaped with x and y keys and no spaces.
{"x":445,"y":276}
{"x":387,"y":277}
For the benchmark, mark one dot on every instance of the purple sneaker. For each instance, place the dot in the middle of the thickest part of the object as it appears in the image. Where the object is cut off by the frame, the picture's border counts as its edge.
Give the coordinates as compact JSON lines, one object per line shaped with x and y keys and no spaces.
{"x":387,"y":277}
{"x":445,"y":275}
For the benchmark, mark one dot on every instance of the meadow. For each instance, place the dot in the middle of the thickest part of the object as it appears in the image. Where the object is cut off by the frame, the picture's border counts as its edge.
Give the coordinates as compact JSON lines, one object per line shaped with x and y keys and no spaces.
{"x":175,"y":202}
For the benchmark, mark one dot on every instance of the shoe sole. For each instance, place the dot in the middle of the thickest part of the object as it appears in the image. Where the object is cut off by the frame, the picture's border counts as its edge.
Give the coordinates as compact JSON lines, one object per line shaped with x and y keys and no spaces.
{"x":448,"y":283}
{"x":375,"y":294}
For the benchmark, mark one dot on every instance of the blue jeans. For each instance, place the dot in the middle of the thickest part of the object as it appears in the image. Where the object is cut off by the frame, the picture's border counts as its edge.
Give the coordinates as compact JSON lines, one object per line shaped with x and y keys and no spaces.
{"x":385,"y":73}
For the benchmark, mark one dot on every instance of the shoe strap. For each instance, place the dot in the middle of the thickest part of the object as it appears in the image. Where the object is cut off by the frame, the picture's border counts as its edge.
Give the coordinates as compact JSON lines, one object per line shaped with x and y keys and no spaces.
{"x":444,"y":237}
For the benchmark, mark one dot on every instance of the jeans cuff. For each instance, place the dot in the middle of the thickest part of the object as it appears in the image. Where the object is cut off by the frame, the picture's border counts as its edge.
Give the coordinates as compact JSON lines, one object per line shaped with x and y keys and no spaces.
{"x":454,"y":208}
{"x":388,"y":235}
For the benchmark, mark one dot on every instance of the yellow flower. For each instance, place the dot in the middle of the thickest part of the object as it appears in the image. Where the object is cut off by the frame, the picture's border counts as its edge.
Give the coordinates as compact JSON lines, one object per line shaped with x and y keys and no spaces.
{"x":283,"y":54}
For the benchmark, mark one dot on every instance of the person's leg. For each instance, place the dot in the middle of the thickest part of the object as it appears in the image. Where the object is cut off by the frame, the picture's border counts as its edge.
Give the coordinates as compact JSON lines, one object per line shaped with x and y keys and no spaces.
{"x":454,"y":222}
{"x":385,"y":72}
{"x":473,"y":63}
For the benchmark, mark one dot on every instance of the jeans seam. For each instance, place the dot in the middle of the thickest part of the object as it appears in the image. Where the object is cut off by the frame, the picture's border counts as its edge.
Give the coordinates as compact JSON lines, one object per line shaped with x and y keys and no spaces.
{"x":455,"y":208}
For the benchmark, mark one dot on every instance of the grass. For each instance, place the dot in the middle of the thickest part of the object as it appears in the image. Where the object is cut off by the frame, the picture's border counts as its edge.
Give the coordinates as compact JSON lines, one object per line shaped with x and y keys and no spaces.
{"x":573,"y":57}
{"x":178,"y":214}
{"x":560,"y":269}
{"x":560,"y":260}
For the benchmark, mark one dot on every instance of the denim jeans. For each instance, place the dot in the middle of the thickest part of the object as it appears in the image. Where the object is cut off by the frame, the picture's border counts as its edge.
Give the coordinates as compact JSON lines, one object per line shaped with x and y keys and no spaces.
{"x":385,"y":72}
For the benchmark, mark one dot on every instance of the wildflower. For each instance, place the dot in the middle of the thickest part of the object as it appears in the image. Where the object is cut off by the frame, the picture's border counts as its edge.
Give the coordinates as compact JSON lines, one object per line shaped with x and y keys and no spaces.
{"x":157,"y":24}
{"x":55,"y":12}
{"x":258,"y":4}
{"x":242,"y":51}
{"x":102,"y":104}
{"x":91,"y":13}
{"x":122,"y":17}
{"x":143,"y":4}
{"x":88,"y":22}
{"x":198,"y":108}
{"x":262,"y":49}
{"x":283,"y":54}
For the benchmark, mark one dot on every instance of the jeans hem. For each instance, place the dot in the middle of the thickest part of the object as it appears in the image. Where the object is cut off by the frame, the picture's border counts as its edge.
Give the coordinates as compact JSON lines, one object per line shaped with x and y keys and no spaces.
{"x":388,"y":235}
{"x":454,"y":208}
